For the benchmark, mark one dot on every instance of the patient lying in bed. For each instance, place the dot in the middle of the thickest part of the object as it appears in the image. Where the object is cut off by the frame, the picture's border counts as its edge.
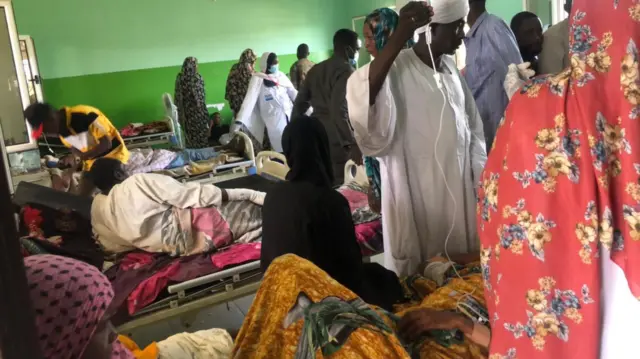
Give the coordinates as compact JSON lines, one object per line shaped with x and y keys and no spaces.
{"x":146,"y":160}
{"x":156,"y":213}
{"x":299,"y":309}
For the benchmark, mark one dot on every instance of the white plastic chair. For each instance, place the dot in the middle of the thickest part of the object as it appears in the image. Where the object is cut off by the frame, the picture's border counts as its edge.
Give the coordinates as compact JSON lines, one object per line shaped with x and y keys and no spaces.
{"x":266,"y":164}
{"x":355,"y":173}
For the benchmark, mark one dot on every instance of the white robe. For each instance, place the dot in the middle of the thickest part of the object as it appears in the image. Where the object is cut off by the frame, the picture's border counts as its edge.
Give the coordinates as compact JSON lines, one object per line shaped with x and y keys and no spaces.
{"x":401,"y":130}
{"x":268,"y":106}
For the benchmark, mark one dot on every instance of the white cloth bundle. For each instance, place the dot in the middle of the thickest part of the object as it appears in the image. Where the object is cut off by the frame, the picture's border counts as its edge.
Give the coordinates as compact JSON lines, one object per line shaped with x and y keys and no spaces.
{"x":205,"y":344}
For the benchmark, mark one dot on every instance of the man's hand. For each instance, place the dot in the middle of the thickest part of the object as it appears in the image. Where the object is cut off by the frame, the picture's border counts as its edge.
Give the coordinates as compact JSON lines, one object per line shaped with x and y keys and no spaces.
{"x":415,"y":323}
{"x":77,"y":153}
{"x":355,"y":155}
{"x":68,"y":161}
{"x":413,"y":16}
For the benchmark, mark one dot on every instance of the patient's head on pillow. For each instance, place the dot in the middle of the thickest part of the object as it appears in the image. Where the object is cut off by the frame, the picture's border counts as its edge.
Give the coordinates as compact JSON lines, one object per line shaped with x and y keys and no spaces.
{"x":106,"y":173}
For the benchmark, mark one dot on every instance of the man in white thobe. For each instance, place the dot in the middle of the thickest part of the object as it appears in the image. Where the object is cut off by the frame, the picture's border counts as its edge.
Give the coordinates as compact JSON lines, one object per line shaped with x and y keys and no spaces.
{"x":430,"y":142}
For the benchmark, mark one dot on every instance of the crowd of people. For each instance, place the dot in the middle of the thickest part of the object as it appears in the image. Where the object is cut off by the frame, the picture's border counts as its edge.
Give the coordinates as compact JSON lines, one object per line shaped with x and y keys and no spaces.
{"x":510,"y":219}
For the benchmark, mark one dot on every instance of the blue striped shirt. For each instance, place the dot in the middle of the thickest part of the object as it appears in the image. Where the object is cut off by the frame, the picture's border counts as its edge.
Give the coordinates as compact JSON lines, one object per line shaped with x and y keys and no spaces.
{"x":491,"y":48}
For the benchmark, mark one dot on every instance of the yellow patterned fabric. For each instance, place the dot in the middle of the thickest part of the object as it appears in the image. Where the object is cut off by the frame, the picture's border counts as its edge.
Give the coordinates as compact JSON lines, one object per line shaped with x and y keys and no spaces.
{"x":263,"y":334}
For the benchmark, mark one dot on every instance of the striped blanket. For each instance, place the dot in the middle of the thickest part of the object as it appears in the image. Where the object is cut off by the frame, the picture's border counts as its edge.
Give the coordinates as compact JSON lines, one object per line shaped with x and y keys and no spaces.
{"x":232,"y":222}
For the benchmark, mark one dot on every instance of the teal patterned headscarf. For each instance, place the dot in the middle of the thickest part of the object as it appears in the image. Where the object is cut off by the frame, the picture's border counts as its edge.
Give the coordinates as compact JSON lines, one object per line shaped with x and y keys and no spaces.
{"x":383,"y":22}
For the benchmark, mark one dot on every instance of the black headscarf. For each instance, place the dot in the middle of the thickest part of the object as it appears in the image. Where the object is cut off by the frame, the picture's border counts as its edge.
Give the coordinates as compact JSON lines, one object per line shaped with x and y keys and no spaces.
{"x":306,"y":147}
{"x":271,"y":59}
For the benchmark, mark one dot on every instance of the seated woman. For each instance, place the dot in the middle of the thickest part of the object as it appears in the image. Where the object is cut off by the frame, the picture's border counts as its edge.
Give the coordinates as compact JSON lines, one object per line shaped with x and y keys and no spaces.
{"x":307,"y":217}
{"x":268,"y":102}
{"x":72,"y":323}
{"x":299,"y":309}
{"x":216,"y":128}
{"x":156,"y":213}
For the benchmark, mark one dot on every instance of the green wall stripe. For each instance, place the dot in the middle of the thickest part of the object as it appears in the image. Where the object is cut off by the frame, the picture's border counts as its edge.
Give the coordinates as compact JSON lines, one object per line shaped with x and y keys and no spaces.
{"x":136,"y":96}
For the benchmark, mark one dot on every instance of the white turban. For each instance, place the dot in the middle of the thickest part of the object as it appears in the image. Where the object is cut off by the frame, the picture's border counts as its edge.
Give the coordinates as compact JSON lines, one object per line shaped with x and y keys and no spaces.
{"x":444,"y":11}
{"x":448,"y":11}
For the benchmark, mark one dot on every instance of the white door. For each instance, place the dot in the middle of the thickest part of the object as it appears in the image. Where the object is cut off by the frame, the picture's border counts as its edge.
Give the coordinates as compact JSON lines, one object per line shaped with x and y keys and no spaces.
{"x":14,"y":96}
{"x":31,"y":70}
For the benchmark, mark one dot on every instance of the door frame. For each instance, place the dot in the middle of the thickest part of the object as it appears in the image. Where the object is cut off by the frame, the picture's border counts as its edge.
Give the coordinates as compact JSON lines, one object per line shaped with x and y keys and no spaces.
{"x":33,"y":65}
{"x":22,"y":79}
{"x":557,"y":11}
{"x":353,"y":27}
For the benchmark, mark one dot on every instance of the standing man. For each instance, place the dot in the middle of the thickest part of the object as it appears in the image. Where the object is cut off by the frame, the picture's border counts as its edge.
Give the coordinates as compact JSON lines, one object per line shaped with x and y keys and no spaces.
{"x":416,"y":114}
{"x":527,"y":28}
{"x":300,"y":68}
{"x":83,"y":129}
{"x":555,"y":51}
{"x":491,"y":48}
{"x":325,"y":90}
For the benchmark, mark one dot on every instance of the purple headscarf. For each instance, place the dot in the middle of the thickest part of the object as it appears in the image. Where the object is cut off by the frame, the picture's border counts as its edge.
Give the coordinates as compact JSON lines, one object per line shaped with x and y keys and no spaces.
{"x":70,"y":299}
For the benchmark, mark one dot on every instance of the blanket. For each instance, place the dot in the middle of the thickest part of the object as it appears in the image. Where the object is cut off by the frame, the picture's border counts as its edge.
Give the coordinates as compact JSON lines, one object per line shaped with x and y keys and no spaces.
{"x":300,"y":312}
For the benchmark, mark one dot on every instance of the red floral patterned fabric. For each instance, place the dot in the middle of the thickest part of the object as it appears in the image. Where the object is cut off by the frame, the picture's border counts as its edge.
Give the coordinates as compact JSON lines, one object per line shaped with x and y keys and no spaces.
{"x":563,"y":182}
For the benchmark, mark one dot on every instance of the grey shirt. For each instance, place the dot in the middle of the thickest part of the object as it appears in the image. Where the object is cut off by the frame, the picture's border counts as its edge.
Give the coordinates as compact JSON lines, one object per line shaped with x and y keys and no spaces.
{"x":555,"y":50}
{"x":325,"y":89}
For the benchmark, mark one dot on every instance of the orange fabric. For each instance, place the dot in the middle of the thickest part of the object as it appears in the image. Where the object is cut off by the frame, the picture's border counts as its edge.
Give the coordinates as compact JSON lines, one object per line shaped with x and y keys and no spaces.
{"x":562,"y":182}
{"x":150,"y":352}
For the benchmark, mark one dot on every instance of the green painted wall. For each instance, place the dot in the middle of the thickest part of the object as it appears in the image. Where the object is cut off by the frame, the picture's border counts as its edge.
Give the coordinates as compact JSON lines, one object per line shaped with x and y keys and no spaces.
{"x":505,"y":8}
{"x":122,"y":55}
{"x":82,"y":37}
{"x":135,"y":96}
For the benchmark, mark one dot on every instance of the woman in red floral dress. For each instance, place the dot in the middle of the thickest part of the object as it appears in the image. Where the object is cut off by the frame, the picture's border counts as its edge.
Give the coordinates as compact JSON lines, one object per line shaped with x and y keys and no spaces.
{"x":559,"y":201}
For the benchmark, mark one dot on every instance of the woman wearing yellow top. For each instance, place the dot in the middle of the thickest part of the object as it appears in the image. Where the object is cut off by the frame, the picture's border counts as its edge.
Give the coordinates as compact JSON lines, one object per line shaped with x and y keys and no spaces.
{"x":84,"y":129}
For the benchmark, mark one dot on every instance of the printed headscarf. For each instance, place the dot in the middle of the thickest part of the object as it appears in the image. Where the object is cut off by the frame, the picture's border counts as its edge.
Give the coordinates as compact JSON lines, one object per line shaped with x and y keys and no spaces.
{"x":239,"y":78}
{"x":561,"y":189}
{"x":189,"y":76}
{"x":70,"y":299}
{"x":191,"y":103}
{"x":383,"y":23}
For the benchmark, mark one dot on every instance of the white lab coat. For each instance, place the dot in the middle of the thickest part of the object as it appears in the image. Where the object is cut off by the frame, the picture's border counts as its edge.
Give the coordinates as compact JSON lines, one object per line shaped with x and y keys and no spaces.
{"x":268,"y":106}
{"x":401,"y":130}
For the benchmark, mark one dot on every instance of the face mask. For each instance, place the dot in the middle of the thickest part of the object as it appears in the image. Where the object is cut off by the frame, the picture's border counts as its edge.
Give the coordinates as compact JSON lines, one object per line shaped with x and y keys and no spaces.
{"x":354,"y":61}
{"x":352,"y":55}
{"x":274,"y":69}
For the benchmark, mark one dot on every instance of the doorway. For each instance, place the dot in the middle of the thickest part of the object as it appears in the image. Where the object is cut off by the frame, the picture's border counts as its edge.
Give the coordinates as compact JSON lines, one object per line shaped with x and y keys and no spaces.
{"x":31,"y":70}
{"x":13,"y":88}
{"x":542,"y":8}
{"x":358,"y":24}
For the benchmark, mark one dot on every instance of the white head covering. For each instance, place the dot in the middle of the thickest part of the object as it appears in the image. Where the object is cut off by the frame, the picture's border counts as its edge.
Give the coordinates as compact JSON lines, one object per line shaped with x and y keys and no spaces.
{"x":448,"y":11}
{"x":444,"y":11}
{"x":263,"y":62}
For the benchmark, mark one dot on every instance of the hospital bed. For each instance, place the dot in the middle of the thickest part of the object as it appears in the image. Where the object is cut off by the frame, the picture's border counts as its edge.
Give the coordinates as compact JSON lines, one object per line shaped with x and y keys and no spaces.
{"x":171,"y":137}
{"x":227,"y":285}
{"x":228,"y":171}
